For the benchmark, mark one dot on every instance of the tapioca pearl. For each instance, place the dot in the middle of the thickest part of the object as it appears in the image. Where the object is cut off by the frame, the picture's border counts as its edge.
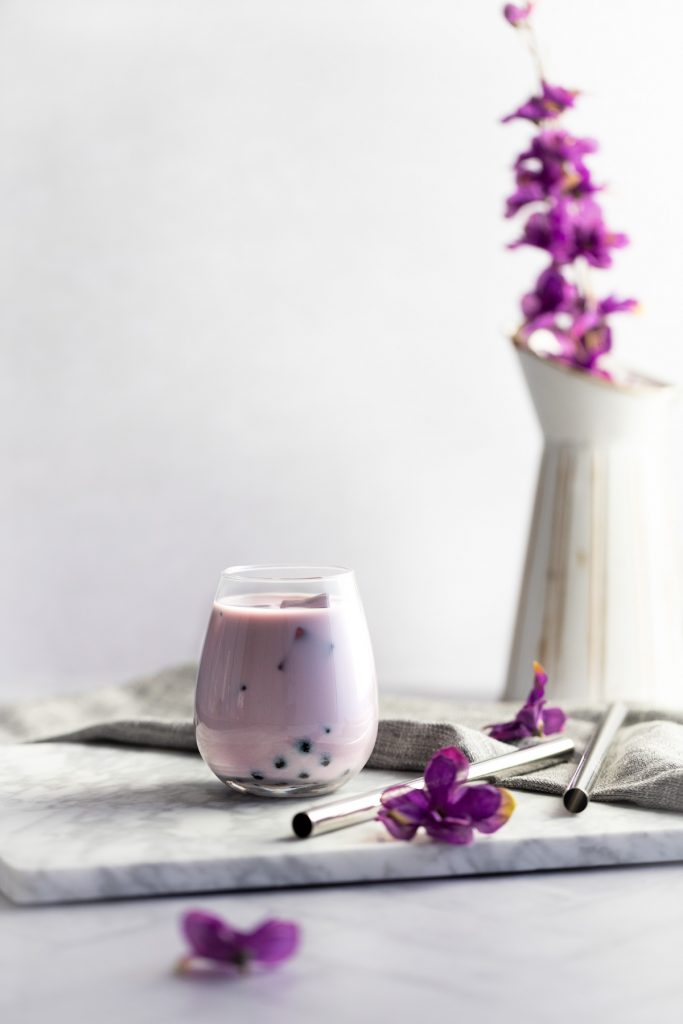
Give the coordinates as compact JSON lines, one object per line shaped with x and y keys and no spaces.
{"x":243,"y":687}
{"x":325,"y":759}
{"x":304,"y":745}
{"x":258,"y":776}
{"x":304,"y":775}
{"x":327,"y":729}
{"x":279,"y":761}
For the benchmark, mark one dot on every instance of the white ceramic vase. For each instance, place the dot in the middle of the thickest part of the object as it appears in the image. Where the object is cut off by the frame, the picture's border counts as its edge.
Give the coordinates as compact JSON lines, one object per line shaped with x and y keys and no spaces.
{"x":600,"y":603}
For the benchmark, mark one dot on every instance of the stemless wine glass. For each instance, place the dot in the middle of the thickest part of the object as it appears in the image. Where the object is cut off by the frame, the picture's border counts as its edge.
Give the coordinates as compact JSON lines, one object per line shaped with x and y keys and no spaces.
{"x":286,"y":701}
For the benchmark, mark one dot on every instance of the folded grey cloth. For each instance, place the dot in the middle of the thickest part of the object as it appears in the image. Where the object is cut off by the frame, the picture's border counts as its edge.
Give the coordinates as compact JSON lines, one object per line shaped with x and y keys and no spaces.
{"x":644,"y":765}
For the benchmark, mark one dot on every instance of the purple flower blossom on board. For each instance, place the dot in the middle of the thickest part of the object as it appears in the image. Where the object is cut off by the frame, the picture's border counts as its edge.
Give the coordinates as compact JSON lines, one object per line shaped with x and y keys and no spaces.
{"x":533,"y":718}
{"x":447,"y":808}
{"x":565,"y":222}
{"x":216,"y":944}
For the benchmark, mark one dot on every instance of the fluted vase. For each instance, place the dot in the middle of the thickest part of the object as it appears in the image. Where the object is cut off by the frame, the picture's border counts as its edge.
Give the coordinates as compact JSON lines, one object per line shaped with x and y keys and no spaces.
{"x":600,"y":599}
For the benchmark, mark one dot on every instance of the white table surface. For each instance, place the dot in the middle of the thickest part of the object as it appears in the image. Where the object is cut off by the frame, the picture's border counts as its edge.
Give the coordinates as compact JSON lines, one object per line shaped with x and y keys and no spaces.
{"x":588,"y":945}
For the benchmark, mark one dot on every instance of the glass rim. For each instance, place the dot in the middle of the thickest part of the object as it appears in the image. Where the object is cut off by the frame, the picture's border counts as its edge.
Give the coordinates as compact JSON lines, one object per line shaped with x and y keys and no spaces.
{"x":285,"y":573}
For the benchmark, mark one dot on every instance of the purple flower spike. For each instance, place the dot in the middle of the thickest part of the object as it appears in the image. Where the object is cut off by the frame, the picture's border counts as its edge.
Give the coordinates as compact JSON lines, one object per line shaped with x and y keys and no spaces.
{"x":213,"y":940}
{"x":533,"y":718}
{"x":517,"y":15}
{"x":551,"y":177}
{"x":447,"y":809}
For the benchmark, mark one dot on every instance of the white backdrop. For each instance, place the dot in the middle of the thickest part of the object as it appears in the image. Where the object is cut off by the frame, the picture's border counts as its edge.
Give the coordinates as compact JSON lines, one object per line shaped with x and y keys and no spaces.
{"x":253,"y":292}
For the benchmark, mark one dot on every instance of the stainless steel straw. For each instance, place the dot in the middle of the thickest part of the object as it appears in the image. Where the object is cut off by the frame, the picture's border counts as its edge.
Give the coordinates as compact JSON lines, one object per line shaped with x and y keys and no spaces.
{"x":353,"y":810}
{"x":577,"y":793}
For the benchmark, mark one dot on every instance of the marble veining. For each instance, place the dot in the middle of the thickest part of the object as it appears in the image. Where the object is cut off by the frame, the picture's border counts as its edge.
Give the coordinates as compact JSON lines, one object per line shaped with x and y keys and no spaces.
{"x":85,"y":822}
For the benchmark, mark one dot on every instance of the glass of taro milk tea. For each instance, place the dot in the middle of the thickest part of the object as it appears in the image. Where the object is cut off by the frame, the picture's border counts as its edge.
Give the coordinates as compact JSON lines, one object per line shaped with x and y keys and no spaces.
{"x":286,"y":700}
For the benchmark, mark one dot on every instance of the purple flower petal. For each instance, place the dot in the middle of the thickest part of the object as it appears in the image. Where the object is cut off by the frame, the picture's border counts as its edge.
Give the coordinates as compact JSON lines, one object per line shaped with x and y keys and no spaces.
{"x":531,"y":192}
{"x":479,"y":802}
{"x":592,"y":239}
{"x":613,"y":305}
{"x":501,"y":816}
{"x":517,"y":15}
{"x":553,"y":720}
{"x":506,"y":732}
{"x":445,"y":830}
{"x":552,"y":293}
{"x":209,"y":936}
{"x":540,"y":677}
{"x":403,"y":811}
{"x":551,"y":230}
{"x":273,"y":941}
{"x":447,"y":769}
{"x":529,"y":717}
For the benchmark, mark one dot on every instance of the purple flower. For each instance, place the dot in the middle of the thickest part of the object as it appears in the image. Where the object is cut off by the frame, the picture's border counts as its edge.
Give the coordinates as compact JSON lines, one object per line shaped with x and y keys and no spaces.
{"x":551,"y":294}
{"x":552,"y":102}
{"x":589,"y":337}
{"x":552,"y":167}
{"x":582,"y":332}
{"x":533,"y":718}
{"x":552,"y":230}
{"x":578,"y":183}
{"x":447,"y":809}
{"x":569,"y":230}
{"x":592,"y":239}
{"x":526,"y":192}
{"x":213,"y":939}
{"x":517,"y":15}
{"x":558,"y":145}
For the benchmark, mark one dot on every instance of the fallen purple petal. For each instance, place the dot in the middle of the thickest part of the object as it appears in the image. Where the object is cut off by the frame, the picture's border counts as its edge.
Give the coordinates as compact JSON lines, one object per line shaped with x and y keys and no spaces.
{"x":213,"y":941}
{"x":273,"y":941}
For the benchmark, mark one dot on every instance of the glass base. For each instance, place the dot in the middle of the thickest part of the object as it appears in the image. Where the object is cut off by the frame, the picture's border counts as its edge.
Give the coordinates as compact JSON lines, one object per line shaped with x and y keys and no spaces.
{"x":284,"y":789}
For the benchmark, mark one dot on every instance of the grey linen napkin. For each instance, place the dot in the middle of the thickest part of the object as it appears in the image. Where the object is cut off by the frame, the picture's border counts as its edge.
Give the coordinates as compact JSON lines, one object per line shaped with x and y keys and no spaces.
{"x":644,"y":765}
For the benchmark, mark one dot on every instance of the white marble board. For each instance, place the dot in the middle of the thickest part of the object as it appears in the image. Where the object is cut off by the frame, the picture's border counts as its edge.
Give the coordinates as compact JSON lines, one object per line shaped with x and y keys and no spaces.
{"x":86,"y":822}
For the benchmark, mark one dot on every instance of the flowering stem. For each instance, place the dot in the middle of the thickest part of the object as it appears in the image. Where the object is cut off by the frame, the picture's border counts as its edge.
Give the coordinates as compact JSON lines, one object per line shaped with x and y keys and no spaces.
{"x":554,"y":183}
{"x":534,"y":50}
{"x":583,"y":282}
